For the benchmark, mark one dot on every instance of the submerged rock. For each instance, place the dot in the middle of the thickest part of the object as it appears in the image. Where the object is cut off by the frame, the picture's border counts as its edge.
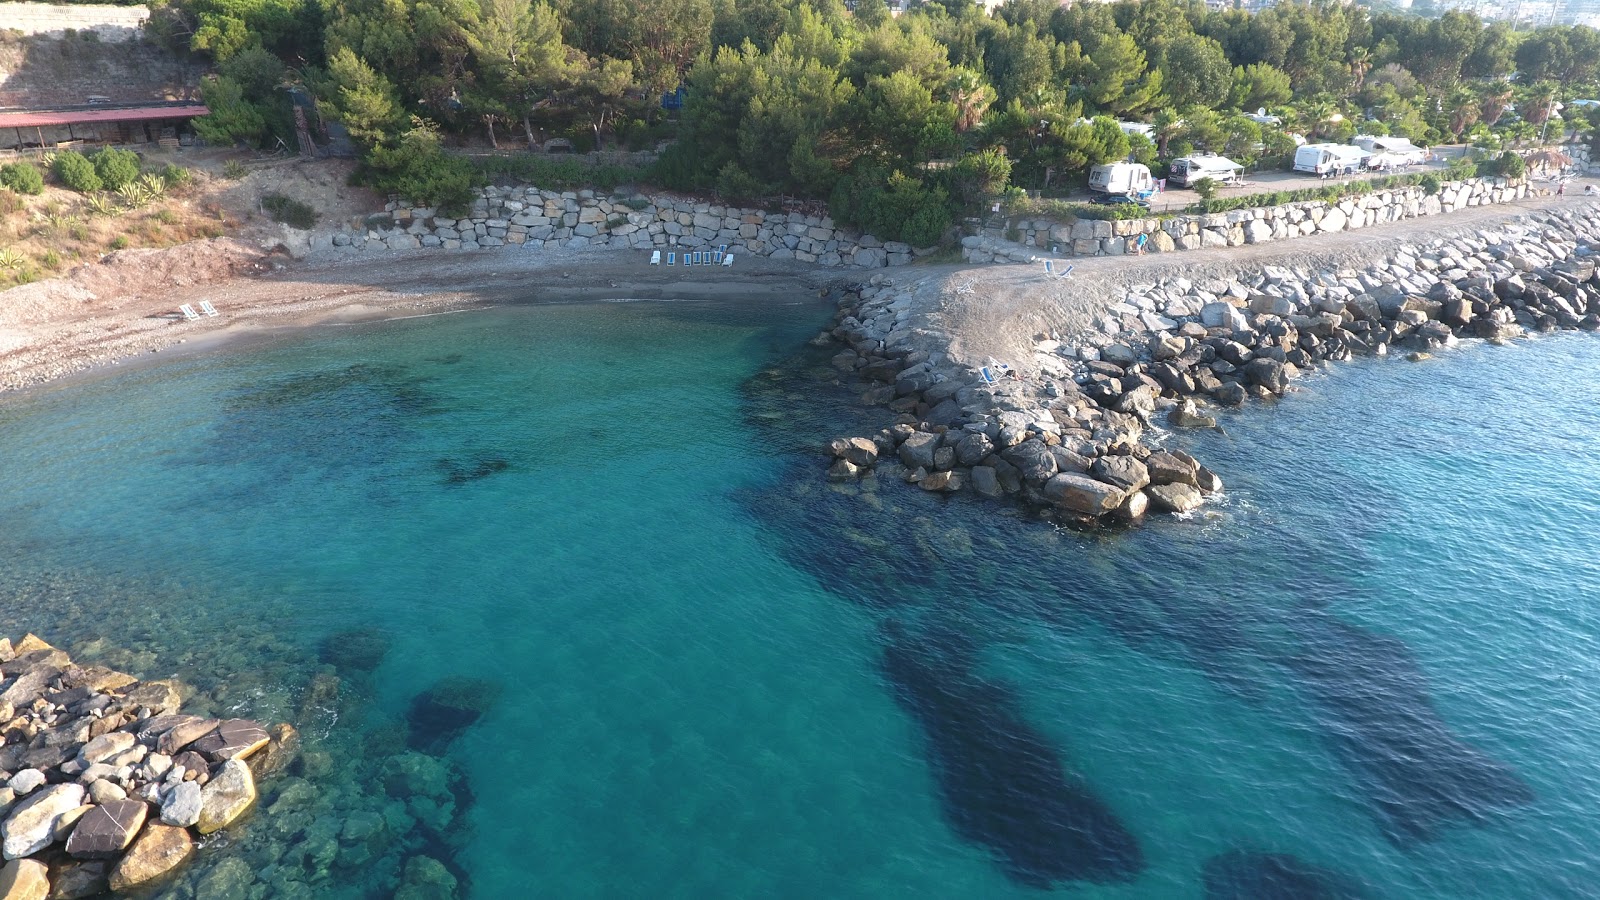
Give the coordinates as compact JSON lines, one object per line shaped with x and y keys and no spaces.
{"x":1245,"y":875}
{"x":355,"y":650}
{"x":440,"y":714}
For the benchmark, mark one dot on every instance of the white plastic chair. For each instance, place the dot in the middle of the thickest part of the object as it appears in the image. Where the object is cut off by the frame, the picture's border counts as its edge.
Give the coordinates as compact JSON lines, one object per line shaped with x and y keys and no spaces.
{"x":655,"y":258}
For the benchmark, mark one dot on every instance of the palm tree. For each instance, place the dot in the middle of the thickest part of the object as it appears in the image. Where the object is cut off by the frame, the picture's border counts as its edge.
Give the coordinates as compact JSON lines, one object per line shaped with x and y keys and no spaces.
{"x":1464,"y":111}
{"x":1360,"y":65}
{"x":1495,"y":100}
{"x":971,"y":96}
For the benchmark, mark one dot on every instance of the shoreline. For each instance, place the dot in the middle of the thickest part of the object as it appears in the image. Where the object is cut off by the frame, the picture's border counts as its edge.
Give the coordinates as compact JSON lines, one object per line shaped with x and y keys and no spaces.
{"x":104,"y":317}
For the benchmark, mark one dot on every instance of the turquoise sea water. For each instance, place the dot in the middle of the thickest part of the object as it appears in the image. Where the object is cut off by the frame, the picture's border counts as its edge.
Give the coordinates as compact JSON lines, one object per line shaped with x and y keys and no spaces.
{"x":707,"y":673}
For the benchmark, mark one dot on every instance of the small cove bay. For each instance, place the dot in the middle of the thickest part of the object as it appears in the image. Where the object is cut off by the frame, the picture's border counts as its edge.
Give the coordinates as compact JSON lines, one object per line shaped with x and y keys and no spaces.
{"x":702,"y":671}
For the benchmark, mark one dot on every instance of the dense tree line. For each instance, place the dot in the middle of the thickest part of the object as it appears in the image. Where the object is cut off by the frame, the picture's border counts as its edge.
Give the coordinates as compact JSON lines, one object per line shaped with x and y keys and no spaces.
{"x":900,"y":121}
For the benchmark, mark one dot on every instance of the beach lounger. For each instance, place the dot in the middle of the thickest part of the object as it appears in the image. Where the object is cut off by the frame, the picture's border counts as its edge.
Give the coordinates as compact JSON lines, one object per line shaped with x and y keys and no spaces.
{"x":655,"y":257}
{"x":672,"y":259}
{"x":705,"y":257}
{"x":722,"y":251}
{"x":1049,"y":270}
{"x":1067,"y":272}
{"x":207,"y":308}
{"x":188,"y":312}
{"x":988,"y":377}
{"x":727,"y":260}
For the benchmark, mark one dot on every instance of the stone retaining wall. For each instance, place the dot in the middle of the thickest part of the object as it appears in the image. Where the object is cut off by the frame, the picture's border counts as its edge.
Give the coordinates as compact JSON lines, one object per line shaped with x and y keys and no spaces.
{"x":535,"y":219}
{"x":1087,"y":237}
{"x":110,"y":23}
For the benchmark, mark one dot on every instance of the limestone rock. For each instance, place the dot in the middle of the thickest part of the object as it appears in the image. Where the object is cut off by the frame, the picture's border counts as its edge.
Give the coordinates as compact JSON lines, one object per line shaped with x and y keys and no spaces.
{"x":159,"y":850}
{"x":182,"y":804}
{"x":32,"y":824}
{"x":858,"y":451}
{"x":238,"y":738}
{"x":918,"y":449}
{"x":106,"y":830}
{"x":1082,"y":494}
{"x":226,"y":797}
{"x":1188,"y":415}
{"x":986,"y":482}
{"x":24,"y":879}
{"x":31,"y":642}
{"x":1174,"y":498}
{"x":162,"y":697}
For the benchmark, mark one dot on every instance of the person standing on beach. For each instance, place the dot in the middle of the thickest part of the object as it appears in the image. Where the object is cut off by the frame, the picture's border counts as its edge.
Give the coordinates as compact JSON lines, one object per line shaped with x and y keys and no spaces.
{"x":1561,"y":188}
{"x":1139,"y":244}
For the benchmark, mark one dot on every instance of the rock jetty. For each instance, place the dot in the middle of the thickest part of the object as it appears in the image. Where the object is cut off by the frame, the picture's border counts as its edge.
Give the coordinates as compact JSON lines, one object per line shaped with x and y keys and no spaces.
{"x":104,"y":783}
{"x":1071,"y":436}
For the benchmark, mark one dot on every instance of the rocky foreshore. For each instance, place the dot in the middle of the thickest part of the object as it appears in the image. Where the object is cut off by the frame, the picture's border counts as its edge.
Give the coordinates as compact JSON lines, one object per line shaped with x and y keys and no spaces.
{"x":106,"y":783}
{"x":1073,"y":435}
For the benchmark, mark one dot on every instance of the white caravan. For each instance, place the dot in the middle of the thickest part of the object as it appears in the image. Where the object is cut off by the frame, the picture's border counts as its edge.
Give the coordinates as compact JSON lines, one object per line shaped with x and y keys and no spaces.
{"x":1397,"y":151}
{"x":1128,"y":178}
{"x":1330,"y":159}
{"x":1189,"y":169}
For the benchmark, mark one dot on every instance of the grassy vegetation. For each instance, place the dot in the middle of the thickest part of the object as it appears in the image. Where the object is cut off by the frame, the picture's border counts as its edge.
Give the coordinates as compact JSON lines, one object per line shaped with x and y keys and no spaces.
{"x":556,"y":174}
{"x":288,"y":211}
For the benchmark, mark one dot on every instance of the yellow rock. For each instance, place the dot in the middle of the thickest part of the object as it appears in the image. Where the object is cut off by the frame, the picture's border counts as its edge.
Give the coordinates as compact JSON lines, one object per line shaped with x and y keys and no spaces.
{"x":158,"y":850}
{"x":226,"y":796}
{"x":32,"y":642}
{"x":24,"y":879}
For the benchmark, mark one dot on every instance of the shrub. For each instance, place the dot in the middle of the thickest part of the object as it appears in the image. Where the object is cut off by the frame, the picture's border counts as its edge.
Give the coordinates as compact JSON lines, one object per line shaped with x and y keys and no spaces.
{"x":116,"y":167}
{"x":233,"y":170}
{"x":1510,"y":165}
{"x":22,"y":177}
{"x":120,"y":242}
{"x":74,"y":170}
{"x":175,"y":175}
{"x":1431,"y":184}
{"x":1206,"y":188}
{"x":418,"y":169}
{"x":288,"y":211}
{"x":51,"y":260}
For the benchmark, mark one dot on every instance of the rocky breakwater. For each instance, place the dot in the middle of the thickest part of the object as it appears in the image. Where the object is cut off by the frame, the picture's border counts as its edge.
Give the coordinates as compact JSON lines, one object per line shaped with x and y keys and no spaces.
{"x":581,"y":220}
{"x":1074,"y":452}
{"x":106,"y":784}
{"x":1070,"y":435}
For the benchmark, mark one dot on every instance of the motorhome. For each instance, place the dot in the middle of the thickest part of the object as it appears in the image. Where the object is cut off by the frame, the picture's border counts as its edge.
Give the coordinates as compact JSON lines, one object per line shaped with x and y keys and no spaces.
{"x":1330,"y":159}
{"x":1127,"y":178}
{"x":1189,"y":169}
{"x":1397,"y":150}
{"x":1139,"y":128}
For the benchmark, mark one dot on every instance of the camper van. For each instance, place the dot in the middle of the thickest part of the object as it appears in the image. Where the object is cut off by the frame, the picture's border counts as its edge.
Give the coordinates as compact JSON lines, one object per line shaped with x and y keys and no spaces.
{"x":1397,"y":151}
{"x":1189,"y":169}
{"x":1330,"y":159}
{"x":1127,"y":178}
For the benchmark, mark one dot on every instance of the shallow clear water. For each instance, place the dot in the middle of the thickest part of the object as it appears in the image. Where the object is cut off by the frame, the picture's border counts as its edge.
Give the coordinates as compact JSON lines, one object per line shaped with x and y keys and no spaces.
{"x":708,"y":673}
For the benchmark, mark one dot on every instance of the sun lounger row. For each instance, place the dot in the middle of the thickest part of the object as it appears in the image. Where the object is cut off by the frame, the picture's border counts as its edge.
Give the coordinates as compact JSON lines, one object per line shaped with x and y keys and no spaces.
{"x":190,"y":315}
{"x":720,"y":256}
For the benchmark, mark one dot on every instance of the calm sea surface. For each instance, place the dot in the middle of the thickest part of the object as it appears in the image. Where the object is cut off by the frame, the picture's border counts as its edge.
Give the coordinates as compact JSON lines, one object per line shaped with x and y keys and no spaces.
{"x":561,"y":603}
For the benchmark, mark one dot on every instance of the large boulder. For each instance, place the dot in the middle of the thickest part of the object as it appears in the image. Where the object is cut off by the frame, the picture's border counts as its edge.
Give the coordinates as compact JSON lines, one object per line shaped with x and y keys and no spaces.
{"x":239,"y":738}
{"x":226,"y":796}
{"x":1268,"y":373}
{"x":33,"y":823}
{"x":1033,"y":460}
{"x":182,"y":804}
{"x":1082,"y":494}
{"x":859,"y":451}
{"x":986,"y":482}
{"x":1174,"y":498}
{"x":24,"y":879}
{"x":972,"y":448}
{"x":917,"y":450}
{"x":158,"y":850}
{"x":1170,"y":468}
{"x":1187,"y":415}
{"x":1124,"y":472}
{"x":106,"y":830}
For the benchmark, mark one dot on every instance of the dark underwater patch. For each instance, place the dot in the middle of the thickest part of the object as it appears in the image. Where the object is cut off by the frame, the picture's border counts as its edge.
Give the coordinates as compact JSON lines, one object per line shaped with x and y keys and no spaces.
{"x":462,"y":471}
{"x":440,"y":714}
{"x":1248,"y":875}
{"x":354,"y":650}
{"x":1001,"y":783}
{"x":1419,"y":776}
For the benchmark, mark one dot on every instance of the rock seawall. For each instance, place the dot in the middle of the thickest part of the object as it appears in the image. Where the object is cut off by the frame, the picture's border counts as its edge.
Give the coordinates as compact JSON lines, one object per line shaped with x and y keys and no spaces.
{"x":1072,"y":440}
{"x":1090,"y":237}
{"x":583,"y":220}
{"x":106,"y":784}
